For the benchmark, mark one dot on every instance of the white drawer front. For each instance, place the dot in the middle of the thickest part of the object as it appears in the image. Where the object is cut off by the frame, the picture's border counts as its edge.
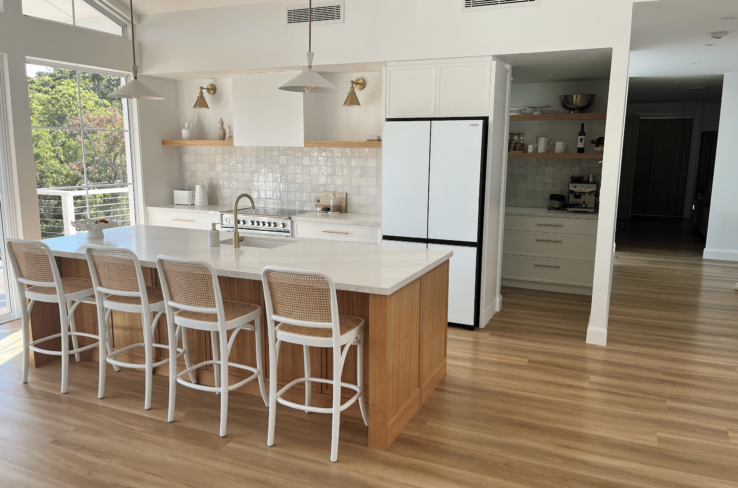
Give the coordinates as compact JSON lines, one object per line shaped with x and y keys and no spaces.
{"x":337,"y":232}
{"x":183,"y":220}
{"x":548,"y":270}
{"x":558,"y":245}
{"x":556,"y":225}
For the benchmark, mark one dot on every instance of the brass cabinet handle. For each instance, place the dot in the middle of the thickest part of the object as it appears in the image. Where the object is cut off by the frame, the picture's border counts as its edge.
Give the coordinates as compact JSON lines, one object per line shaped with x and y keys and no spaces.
{"x":550,"y":225}
{"x":547,"y":240}
{"x":182,"y":220}
{"x":334,"y":232}
{"x":546,"y":266}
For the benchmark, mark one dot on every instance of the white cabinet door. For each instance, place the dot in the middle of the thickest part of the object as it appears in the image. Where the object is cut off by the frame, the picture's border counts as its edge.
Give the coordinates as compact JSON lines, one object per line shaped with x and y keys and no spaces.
{"x":411,"y":91}
{"x":336,"y":232}
{"x":263,"y":115}
{"x":462,"y":279}
{"x":405,"y":160}
{"x":414,"y":245}
{"x":455,"y":170}
{"x":463,"y":89}
{"x":185,"y":220}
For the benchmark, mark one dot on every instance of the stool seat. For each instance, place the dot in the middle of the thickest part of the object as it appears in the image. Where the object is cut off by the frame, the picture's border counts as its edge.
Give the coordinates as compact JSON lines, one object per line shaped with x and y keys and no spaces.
{"x":347,"y":324}
{"x":70,"y":285}
{"x":154,"y":293}
{"x":233,"y":311}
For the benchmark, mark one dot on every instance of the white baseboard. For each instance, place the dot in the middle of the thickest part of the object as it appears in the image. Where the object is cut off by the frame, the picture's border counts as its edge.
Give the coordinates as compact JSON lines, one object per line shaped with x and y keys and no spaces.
{"x":490,"y":311}
{"x":597,"y":336}
{"x":720,"y":254}
{"x":536,"y":285}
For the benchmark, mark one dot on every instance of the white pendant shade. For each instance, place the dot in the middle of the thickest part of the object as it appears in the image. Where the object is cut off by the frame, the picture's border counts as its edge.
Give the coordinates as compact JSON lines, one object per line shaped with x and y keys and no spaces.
{"x":136,"y":89}
{"x":306,"y":79}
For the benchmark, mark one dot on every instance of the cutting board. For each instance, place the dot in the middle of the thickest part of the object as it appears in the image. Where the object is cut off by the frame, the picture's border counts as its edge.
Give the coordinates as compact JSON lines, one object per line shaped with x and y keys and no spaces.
{"x":324,"y":200}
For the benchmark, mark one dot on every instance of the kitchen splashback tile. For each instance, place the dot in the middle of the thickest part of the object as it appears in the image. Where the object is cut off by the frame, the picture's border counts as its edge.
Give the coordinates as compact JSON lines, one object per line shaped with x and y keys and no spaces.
{"x":530,"y":182}
{"x":286,"y":177}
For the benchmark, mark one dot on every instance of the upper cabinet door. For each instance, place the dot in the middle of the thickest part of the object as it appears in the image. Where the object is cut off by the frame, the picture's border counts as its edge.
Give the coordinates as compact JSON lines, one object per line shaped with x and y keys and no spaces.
{"x":264,"y":115}
{"x":411,"y":91}
{"x":405,"y":161}
{"x":463,"y":89}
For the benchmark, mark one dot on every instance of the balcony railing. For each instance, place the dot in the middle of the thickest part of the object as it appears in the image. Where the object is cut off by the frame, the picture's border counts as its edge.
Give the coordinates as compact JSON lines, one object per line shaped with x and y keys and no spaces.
{"x":59,"y":207}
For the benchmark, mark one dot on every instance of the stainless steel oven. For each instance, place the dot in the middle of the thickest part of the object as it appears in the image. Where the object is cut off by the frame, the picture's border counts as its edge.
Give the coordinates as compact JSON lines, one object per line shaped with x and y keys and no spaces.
{"x":260,"y":221}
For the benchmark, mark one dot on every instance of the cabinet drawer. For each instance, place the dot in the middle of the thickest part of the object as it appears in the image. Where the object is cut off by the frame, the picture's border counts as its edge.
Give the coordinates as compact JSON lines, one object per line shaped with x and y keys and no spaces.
{"x":547,"y":270}
{"x":555,"y":225}
{"x":337,"y":232}
{"x":185,"y":220}
{"x":558,"y":245}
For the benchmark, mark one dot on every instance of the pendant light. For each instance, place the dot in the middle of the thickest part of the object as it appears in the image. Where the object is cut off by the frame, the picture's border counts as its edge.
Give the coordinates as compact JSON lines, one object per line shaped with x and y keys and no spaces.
{"x":134,"y":88}
{"x":309,"y":81}
{"x":352,"y":99}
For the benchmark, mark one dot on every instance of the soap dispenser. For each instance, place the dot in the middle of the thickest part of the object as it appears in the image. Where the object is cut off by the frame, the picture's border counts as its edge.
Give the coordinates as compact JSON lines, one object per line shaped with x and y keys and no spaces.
{"x":213,"y":237}
{"x":334,"y":203}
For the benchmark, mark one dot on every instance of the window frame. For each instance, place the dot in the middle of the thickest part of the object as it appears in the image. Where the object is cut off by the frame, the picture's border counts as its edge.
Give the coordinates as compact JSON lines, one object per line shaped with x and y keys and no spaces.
{"x":9,"y":203}
{"x":124,"y":25}
{"x":131,"y":132}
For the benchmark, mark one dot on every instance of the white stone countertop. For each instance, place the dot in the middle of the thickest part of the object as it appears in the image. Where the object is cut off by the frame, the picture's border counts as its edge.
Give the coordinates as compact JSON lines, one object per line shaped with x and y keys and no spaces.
{"x":348,"y":218}
{"x":544,"y":212}
{"x":205,"y":209}
{"x":364,"y":268}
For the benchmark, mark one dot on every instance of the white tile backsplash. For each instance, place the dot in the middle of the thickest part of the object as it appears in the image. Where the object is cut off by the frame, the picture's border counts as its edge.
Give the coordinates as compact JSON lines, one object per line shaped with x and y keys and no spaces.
{"x":286,"y":177}
{"x":530,"y":182}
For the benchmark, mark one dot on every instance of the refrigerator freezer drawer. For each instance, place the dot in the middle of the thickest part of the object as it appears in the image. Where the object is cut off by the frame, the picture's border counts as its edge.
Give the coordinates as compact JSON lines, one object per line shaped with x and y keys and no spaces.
{"x":462,"y":280}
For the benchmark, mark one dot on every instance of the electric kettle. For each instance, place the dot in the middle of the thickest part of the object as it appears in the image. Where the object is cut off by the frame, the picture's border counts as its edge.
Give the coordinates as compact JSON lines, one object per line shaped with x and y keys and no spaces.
{"x":201,"y":194}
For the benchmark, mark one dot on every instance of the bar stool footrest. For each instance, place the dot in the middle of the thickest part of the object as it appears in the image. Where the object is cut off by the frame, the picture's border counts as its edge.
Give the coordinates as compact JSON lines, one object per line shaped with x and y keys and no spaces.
{"x":216,"y":389}
{"x":306,"y":408}
{"x":32,"y":346}
{"x":124,"y":364}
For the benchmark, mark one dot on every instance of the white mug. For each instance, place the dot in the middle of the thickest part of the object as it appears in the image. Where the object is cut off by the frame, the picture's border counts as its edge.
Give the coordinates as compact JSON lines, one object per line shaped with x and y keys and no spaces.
{"x":544,"y":143}
{"x":562,"y":147}
{"x":532,"y":148}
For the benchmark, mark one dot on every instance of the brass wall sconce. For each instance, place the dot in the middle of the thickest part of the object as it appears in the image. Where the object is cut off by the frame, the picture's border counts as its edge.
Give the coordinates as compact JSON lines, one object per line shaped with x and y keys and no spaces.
{"x":357,"y":84}
{"x":200,"y":102}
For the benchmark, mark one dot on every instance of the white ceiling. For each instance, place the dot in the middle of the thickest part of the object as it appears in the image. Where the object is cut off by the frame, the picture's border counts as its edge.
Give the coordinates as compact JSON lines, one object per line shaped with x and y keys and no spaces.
{"x":146,"y":7}
{"x":676,"y":89}
{"x":584,"y":65}
{"x":668,"y":36}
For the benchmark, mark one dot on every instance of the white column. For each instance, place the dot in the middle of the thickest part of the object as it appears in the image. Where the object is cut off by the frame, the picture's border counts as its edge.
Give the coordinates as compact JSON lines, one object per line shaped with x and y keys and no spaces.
{"x":604,"y":258}
{"x":722,"y":230}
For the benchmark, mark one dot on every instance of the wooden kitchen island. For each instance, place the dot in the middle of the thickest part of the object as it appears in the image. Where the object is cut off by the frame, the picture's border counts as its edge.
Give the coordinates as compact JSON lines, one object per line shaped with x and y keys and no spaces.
{"x":402,"y":294}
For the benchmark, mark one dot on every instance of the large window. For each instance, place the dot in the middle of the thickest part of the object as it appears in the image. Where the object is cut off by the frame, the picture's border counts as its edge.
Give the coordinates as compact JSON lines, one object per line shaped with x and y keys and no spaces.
{"x":82,"y":148}
{"x":82,"y":13}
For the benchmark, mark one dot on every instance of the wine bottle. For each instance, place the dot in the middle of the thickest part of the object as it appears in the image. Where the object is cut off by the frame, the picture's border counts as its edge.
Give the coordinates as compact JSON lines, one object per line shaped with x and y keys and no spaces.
{"x":580,"y":140}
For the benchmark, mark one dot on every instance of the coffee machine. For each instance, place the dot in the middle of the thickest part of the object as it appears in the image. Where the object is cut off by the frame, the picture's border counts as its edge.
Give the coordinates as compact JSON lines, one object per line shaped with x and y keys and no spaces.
{"x":582,"y":197}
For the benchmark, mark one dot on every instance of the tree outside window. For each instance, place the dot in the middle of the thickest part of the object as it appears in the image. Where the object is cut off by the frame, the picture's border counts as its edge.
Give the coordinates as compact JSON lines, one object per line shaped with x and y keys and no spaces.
{"x":81,"y":142}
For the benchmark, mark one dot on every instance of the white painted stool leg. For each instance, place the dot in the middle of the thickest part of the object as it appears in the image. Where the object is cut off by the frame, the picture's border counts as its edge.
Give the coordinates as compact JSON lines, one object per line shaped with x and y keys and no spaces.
{"x":172,"y":367}
{"x":273,"y":362}
{"x":336,"y":424}
{"x":64,"y":346}
{"x":26,"y":338}
{"x":216,"y":366}
{"x":186,"y":348}
{"x":308,"y":374}
{"x":223,"y":382}
{"x":360,"y":378}
{"x":149,"y":358}
{"x":102,"y":327}
{"x":110,"y":339}
{"x":73,"y":328}
{"x":259,"y":361}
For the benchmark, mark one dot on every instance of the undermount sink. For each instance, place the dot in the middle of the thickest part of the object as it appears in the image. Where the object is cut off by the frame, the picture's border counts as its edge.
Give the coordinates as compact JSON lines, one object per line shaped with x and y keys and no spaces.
{"x":256,"y":242}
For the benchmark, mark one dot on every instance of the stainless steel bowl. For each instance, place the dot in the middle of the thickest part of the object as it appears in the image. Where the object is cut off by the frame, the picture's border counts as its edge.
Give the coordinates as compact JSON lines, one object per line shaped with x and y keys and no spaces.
{"x":577,"y":104}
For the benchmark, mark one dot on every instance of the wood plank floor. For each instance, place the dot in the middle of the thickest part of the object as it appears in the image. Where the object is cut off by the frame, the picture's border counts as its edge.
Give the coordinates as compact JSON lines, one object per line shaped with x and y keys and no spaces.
{"x":525,"y":404}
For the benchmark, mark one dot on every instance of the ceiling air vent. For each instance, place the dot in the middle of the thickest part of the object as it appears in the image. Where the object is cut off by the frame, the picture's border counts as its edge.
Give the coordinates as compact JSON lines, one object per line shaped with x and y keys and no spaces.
{"x":475,"y":5}
{"x":323,"y":13}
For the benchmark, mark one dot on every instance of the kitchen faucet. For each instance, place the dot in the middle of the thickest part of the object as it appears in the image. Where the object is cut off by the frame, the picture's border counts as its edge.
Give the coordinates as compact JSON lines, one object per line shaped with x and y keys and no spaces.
{"x":236,"y":237}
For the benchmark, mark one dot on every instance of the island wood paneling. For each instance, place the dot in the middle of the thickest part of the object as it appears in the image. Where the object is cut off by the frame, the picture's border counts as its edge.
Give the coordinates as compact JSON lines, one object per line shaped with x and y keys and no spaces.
{"x":433,"y":329}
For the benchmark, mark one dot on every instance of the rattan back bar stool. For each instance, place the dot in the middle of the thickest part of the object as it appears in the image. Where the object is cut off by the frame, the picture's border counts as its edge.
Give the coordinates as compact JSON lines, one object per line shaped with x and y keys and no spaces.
{"x":192,"y":288}
{"x":119,"y":285}
{"x":302,"y":308}
{"x":34,"y":265}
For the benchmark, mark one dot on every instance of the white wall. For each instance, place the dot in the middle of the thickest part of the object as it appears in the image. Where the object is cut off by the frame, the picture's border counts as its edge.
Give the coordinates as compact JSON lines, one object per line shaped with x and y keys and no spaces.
{"x":722,"y":231}
{"x":327,"y":119}
{"x":205,"y":120}
{"x":692,"y":110}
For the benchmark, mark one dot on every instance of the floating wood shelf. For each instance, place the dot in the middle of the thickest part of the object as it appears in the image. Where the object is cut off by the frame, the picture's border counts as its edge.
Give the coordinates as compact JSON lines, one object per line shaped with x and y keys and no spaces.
{"x":196,"y":143}
{"x":555,"y":155}
{"x":546,"y":117}
{"x":347,"y":144}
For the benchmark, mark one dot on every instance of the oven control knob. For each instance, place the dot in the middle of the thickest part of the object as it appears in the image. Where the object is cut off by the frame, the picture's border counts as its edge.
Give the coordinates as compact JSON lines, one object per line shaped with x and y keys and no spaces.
{"x":269,"y":224}
{"x":228,"y":220}
{"x":251,"y":222}
{"x":282,"y":225}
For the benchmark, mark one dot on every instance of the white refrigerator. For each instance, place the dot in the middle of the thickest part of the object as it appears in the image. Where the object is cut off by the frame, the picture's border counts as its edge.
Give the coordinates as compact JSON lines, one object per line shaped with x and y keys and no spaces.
{"x":433,"y":197}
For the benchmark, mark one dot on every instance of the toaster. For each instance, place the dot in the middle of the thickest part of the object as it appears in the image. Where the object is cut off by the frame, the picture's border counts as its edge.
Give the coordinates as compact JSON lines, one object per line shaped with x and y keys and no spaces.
{"x":184,"y":197}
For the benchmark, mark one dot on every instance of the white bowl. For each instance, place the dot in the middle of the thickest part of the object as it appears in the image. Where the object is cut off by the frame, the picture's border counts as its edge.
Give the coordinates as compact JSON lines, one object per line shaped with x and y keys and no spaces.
{"x":93,"y":229}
